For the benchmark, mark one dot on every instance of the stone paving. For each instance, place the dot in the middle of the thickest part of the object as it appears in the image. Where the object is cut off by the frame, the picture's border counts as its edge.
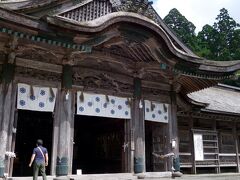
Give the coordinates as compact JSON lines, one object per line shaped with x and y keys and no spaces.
{"x":229,"y":176}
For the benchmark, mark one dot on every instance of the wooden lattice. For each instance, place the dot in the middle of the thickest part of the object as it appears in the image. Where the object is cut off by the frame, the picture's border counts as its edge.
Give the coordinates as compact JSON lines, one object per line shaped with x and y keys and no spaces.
{"x":89,"y":11}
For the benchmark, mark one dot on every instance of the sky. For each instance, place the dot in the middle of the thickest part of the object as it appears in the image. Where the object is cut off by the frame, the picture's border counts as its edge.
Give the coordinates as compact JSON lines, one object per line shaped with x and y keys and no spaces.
{"x":199,"y":12}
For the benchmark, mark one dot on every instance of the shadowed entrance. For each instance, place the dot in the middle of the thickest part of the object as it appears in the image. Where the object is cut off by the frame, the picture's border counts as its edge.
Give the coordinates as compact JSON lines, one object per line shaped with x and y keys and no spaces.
{"x":98,"y":145}
{"x":155,"y":139}
{"x":32,"y":125}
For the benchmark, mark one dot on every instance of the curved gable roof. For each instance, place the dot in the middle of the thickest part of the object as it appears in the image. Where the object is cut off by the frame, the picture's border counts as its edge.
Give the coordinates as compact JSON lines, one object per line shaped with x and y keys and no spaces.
{"x":87,"y":10}
{"x":156,"y":39}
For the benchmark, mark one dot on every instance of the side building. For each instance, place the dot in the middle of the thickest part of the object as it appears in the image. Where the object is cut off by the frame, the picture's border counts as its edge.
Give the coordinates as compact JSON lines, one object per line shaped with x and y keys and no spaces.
{"x":99,"y":81}
{"x":209,"y":133}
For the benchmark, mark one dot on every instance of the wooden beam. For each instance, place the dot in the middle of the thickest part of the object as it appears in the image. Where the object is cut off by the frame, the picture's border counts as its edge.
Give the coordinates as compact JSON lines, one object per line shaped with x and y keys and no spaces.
{"x":39,"y":65}
{"x":124,"y":62}
{"x":128,"y":79}
{"x":24,"y":21}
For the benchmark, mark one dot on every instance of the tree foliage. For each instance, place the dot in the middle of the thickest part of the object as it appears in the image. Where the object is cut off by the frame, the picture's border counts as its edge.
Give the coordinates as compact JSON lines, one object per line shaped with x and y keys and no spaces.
{"x":221,"y":39}
{"x":183,"y":28}
{"x":220,"y":42}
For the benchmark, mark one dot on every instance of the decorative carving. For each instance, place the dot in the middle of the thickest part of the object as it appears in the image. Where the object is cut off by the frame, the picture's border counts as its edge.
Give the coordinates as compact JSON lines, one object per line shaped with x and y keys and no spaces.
{"x":13,"y":43}
{"x":38,"y":54}
{"x":151,"y":76}
{"x":12,"y":46}
{"x":116,"y":50}
{"x":37,"y":74}
{"x":137,"y":6}
{"x":115,"y":3}
{"x":100,"y":80}
{"x":154,"y":92}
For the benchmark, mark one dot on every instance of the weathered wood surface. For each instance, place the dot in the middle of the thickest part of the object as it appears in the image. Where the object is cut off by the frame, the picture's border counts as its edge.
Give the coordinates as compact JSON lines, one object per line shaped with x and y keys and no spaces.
{"x":64,"y":121}
{"x":11,"y":126}
{"x":38,"y":65}
{"x":127,"y":165}
{"x":13,"y":141}
{"x":173,"y":129}
{"x":7,"y":107}
{"x":236,"y":143}
{"x":138,"y":126}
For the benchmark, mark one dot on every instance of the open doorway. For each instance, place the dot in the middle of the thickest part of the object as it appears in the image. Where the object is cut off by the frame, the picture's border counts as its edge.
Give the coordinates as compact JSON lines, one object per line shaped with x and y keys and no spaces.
{"x":98,"y":145}
{"x":31,"y":125}
{"x":155,"y":139}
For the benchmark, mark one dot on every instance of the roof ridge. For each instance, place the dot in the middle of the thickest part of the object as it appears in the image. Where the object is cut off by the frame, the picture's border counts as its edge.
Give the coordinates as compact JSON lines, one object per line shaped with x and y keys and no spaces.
{"x":229,"y":86}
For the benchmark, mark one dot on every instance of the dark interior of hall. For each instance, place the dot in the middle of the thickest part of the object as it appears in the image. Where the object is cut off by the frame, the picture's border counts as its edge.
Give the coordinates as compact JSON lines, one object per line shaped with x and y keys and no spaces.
{"x":98,"y":145}
{"x":155,"y":142}
{"x":31,"y":125}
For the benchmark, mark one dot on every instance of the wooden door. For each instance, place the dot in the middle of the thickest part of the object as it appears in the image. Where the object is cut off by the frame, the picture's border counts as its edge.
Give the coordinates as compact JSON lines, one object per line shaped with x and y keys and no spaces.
{"x":159,"y":146}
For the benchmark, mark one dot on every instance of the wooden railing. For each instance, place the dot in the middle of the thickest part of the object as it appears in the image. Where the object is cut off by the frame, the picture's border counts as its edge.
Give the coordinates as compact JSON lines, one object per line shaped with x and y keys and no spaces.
{"x":228,"y":159}
{"x":185,"y":160}
{"x":225,"y":160}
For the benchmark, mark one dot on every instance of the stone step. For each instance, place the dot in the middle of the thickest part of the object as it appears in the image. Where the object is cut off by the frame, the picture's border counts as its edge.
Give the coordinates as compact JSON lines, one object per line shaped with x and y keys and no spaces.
{"x":119,"y":176}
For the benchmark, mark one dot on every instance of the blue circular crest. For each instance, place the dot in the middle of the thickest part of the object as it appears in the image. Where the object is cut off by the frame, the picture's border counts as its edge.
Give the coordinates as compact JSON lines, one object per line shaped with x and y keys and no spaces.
{"x":105,"y":105}
{"x":119,"y":107}
{"x":81,"y":109}
{"x":97,"y":99}
{"x":22,"y":90}
{"x":42,"y":92}
{"x":22,"y":103}
{"x":32,"y":97}
{"x":112,"y":101}
{"x":90,"y":104}
{"x":41,"y":104}
{"x":51,"y":99}
{"x":112,"y":111}
{"x":97,"y":110}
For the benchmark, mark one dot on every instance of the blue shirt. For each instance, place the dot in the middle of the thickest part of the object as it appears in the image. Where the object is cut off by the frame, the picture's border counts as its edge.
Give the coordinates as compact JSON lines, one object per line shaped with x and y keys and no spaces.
{"x":38,"y":155}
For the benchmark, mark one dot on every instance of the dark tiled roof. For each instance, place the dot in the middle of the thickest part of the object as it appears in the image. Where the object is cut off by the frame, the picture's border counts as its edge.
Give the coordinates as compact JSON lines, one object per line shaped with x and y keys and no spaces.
{"x":220,"y":98}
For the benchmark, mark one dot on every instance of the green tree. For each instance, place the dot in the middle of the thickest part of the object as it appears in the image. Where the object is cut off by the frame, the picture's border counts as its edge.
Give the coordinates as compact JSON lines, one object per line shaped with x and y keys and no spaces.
{"x":235,"y":45}
{"x":206,"y":42}
{"x":221,"y":40}
{"x":183,"y":28}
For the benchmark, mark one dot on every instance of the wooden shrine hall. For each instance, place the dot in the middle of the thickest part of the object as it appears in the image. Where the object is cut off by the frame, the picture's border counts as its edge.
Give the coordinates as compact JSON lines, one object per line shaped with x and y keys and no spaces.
{"x":100,"y":81}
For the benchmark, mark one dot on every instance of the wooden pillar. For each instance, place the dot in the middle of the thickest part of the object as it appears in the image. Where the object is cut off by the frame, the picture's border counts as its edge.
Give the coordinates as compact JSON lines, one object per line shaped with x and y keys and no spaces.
{"x":55,"y":138}
{"x":138,"y":128}
{"x":11,"y":129}
{"x":64,"y":115}
{"x":64,"y":118}
{"x":13,"y":141}
{"x":191,"y":126}
{"x":214,"y":126}
{"x":173,"y":133}
{"x":7,"y":107}
{"x":236,"y":144}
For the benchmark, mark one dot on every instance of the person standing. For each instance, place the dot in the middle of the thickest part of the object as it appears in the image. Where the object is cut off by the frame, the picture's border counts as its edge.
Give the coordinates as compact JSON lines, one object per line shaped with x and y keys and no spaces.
{"x":40,"y":159}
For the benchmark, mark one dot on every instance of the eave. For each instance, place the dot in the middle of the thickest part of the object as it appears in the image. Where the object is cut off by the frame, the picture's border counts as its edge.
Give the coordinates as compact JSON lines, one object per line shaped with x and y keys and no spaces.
{"x":113,"y":18}
{"x":194,"y":73}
